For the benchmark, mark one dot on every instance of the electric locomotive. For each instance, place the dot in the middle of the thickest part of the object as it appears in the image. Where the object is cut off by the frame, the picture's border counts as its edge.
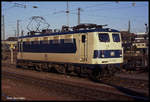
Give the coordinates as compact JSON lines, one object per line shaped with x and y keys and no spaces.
{"x":85,"y":48}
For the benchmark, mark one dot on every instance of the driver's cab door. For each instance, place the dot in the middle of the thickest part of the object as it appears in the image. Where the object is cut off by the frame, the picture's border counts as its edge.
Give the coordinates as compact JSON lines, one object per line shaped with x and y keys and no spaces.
{"x":83,"y":47}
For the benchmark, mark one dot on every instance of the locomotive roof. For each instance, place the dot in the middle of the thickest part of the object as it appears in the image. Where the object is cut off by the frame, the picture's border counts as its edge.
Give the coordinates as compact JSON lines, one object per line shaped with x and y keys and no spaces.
{"x":71,"y":32}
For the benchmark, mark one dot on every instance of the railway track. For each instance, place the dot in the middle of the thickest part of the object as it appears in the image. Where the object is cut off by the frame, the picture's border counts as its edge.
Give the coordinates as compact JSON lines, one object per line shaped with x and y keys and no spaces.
{"x":84,"y":91}
{"x":127,"y":82}
{"x":113,"y":79}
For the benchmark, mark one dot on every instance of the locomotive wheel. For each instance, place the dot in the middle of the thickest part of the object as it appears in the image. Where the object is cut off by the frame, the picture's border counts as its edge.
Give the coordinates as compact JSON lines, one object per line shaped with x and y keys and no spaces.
{"x":38,"y":68}
{"x":61,"y":69}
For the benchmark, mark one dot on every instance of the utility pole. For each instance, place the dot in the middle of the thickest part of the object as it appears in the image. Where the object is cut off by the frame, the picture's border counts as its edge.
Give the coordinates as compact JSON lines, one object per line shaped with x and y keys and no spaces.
{"x":146,"y":28}
{"x":79,"y":16}
{"x":17,"y":28}
{"x":130,"y":35}
{"x":22,"y":32}
{"x":3,"y":28}
{"x":15,"y":33}
{"x":129,"y":27}
{"x":67,"y":12}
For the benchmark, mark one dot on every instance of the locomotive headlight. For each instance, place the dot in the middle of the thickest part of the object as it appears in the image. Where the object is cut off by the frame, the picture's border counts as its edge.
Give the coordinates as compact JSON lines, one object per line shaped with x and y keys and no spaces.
{"x":112,"y":53}
{"x":121,"y":55}
{"x":102,"y":55}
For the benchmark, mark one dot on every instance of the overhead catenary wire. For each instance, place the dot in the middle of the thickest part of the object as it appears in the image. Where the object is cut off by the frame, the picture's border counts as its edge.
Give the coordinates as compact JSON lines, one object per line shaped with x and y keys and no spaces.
{"x":110,"y":4}
{"x":100,"y":10}
{"x":95,"y":5}
{"x":14,"y":4}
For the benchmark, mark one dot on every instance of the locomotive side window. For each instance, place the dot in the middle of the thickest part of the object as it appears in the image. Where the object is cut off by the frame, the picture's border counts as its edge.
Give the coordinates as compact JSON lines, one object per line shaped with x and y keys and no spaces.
{"x":56,"y":41}
{"x":45,"y":40}
{"x":116,"y":37}
{"x":83,"y":38}
{"x":36,"y":41}
{"x":27,"y":41}
{"x":104,"y":37}
{"x":68,"y":40}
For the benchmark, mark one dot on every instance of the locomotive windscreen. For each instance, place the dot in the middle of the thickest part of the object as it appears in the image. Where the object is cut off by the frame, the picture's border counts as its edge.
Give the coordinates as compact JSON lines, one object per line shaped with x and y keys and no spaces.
{"x":116,"y":37}
{"x":104,"y":37}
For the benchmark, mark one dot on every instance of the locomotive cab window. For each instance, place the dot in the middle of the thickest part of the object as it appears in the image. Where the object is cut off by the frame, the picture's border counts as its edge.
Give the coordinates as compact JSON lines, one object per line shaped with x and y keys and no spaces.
{"x":103,"y":37}
{"x":116,"y":37}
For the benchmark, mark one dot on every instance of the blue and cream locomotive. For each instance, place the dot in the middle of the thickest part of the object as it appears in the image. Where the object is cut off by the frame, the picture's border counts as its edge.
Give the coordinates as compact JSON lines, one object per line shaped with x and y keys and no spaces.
{"x":87,"y":48}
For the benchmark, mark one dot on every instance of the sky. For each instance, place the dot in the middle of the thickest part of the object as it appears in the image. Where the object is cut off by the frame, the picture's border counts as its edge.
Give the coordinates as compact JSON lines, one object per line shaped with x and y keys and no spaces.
{"x":115,"y":14}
